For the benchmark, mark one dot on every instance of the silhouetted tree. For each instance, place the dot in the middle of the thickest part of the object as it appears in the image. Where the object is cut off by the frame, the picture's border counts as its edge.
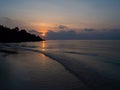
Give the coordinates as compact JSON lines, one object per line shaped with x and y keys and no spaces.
{"x":16,"y":29}
{"x":16,"y":35}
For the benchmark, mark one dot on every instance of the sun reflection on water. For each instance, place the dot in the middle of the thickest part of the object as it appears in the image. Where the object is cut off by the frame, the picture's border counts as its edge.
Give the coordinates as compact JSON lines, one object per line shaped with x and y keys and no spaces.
{"x":43,"y":46}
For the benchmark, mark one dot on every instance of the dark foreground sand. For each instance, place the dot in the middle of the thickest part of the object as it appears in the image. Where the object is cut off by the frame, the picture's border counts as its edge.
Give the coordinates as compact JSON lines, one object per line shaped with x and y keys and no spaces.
{"x":23,"y":70}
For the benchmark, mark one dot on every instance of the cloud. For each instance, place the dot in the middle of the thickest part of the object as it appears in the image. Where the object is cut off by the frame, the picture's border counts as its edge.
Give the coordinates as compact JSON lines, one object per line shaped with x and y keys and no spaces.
{"x":89,"y":30}
{"x":35,"y":32}
{"x":13,"y":23}
{"x":88,"y":34}
{"x":61,"y":28}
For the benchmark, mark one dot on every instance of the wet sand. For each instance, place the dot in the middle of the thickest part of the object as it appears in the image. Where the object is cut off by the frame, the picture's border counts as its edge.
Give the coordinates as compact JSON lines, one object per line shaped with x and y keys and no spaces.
{"x":33,"y":71}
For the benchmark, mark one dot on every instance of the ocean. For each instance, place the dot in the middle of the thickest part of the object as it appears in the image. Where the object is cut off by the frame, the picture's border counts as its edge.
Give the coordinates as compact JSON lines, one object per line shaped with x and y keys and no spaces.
{"x":60,"y":65}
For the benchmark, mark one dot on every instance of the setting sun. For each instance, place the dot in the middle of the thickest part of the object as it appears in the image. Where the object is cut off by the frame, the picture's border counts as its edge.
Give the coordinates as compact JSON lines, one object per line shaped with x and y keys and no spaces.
{"x":42,"y":27}
{"x":43,"y":34}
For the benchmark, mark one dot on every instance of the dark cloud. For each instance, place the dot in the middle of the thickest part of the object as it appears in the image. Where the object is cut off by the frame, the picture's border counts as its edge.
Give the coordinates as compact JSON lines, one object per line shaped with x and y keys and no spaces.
{"x":89,"y":30}
{"x":61,"y":35}
{"x":61,"y":27}
{"x":88,"y":34}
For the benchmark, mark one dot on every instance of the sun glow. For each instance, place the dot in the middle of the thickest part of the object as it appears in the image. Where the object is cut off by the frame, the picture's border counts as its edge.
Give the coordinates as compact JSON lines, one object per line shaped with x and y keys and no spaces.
{"x":42,"y":27}
{"x":43,"y":45}
{"x":43,"y":34}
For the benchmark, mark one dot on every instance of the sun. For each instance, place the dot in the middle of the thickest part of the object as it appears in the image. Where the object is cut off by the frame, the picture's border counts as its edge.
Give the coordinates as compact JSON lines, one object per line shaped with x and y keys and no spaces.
{"x":43,"y":34}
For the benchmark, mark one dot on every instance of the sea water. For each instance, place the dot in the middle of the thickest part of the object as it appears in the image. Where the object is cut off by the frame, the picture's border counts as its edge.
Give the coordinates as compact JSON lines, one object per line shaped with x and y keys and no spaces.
{"x":96,"y":63}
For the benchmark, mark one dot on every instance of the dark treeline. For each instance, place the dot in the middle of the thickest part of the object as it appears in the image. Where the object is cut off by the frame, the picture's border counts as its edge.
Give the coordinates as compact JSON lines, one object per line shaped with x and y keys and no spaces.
{"x":16,"y":35}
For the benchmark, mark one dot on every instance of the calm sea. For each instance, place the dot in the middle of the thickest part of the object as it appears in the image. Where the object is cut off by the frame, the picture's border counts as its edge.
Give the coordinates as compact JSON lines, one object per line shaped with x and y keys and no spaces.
{"x":96,"y":63}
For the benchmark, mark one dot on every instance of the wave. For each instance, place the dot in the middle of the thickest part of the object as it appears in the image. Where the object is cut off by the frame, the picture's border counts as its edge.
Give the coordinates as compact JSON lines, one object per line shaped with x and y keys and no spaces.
{"x":88,"y":75}
{"x":107,"y":59}
{"x":89,"y":54}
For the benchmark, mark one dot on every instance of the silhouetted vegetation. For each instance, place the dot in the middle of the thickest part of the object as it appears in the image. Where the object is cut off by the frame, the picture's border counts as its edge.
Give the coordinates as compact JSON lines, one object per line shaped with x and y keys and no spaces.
{"x":16,"y":35}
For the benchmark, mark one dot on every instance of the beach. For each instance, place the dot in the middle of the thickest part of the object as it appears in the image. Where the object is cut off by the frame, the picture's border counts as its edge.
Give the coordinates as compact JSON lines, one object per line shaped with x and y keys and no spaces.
{"x":25,"y":70}
{"x":60,"y":65}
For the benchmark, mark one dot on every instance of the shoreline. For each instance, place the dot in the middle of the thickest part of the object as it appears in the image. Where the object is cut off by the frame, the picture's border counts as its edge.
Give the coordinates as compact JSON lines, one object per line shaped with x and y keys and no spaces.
{"x":94,"y":71}
{"x":29,"y":70}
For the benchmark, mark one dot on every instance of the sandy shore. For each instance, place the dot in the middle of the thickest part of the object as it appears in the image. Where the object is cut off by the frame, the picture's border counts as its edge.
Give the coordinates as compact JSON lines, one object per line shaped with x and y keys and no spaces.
{"x":27,"y":68}
{"x":23,"y":70}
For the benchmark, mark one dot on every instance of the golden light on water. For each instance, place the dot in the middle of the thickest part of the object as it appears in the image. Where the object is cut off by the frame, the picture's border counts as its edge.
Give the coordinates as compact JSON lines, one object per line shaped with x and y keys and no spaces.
{"x":43,"y":45}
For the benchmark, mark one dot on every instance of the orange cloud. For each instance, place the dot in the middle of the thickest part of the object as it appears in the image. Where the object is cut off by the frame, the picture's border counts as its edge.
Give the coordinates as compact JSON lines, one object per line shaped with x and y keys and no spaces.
{"x":42,"y":27}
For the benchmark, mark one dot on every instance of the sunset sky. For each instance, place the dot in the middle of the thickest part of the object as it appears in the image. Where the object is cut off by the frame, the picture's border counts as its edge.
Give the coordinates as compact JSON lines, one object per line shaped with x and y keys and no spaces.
{"x":44,"y":15}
